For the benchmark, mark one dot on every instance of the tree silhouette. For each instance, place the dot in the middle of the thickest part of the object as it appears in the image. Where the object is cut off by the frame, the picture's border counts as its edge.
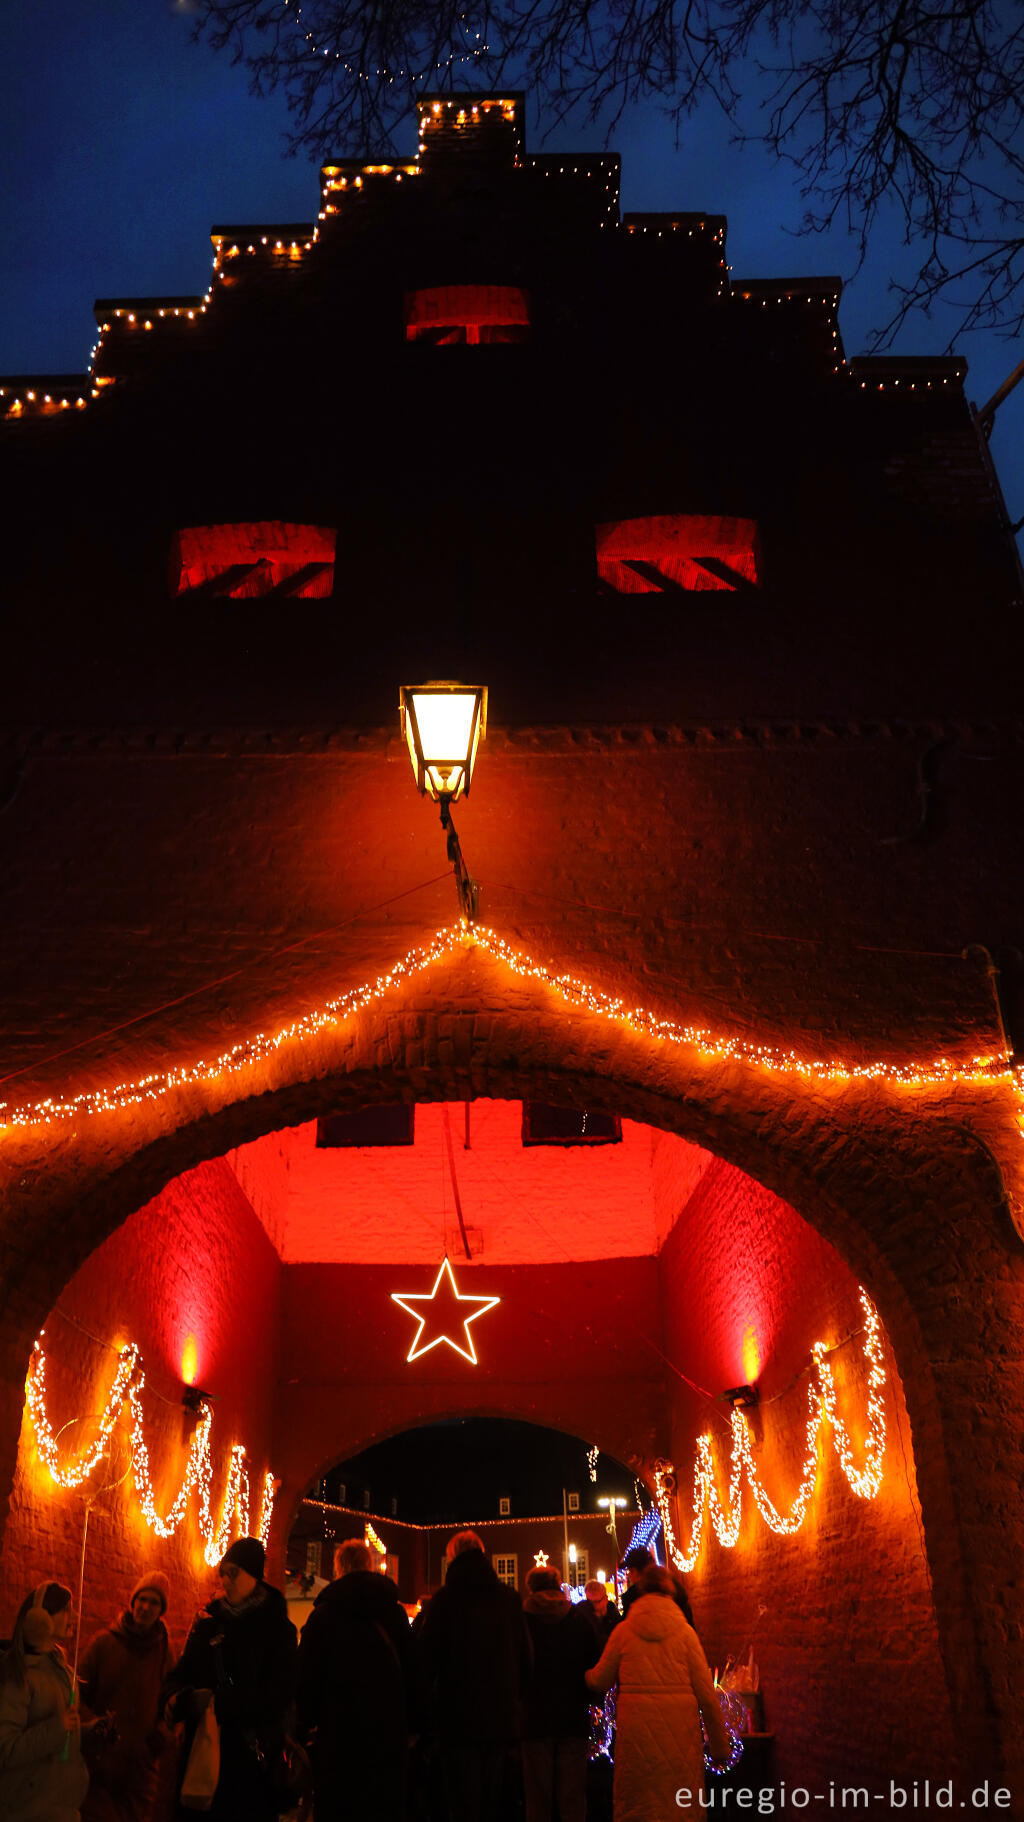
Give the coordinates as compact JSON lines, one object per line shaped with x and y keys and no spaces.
{"x":881,"y":107}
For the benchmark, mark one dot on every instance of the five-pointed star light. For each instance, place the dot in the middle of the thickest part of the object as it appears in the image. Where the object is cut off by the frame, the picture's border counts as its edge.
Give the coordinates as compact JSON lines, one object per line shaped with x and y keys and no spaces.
{"x":443,"y":1307}
{"x":541,"y":1559}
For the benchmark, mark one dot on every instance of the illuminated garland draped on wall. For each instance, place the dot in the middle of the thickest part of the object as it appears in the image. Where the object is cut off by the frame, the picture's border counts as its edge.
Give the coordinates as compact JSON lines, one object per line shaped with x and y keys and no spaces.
{"x":127,"y":1388}
{"x":941,"y":1072}
{"x":821,"y":1399}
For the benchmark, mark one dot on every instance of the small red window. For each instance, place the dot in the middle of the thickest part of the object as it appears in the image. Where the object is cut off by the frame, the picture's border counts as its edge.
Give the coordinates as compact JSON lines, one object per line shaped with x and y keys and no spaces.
{"x":243,"y":561}
{"x":447,"y":314}
{"x":677,"y":552}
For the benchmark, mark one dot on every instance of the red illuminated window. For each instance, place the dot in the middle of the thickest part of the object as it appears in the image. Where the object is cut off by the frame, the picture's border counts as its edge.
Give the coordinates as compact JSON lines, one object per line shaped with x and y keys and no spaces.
{"x":447,"y":314}
{"x":244,"y":561}
{"x":677,"y":553}
{"x":547,"y":1125}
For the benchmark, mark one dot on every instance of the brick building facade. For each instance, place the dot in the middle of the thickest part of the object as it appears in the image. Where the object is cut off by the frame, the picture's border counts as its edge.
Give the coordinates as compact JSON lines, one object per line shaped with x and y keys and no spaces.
{"x":749,"y":614}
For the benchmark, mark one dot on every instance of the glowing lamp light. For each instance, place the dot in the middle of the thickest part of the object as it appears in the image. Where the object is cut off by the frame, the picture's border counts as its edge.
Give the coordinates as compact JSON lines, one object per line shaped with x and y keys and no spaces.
{"x":190,"y":1361}
{"x":443,"y":725}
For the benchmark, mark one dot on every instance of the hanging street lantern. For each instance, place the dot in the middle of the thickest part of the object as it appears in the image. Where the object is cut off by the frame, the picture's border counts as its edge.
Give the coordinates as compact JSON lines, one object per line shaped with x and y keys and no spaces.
{"x":443,"y":724}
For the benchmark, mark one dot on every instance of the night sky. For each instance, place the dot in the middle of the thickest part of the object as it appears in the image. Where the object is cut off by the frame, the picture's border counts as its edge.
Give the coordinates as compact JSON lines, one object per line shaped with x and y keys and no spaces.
{"x":455,"y":1472}
{"x":123,"y":142}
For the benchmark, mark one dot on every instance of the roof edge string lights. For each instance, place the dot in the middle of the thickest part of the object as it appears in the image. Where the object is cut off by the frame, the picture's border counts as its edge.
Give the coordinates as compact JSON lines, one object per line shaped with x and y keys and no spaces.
{"x":726,"y":1516}
{"x":127,"y":1388}
{"x":990,"y":1070}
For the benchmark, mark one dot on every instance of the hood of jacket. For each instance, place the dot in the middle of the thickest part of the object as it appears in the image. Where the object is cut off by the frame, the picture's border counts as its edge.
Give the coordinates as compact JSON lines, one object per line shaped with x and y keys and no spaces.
{"x":470,"y":1574}
{"x":549,"y":1604}
{"x":363,"y":1594}
{"x":655,"y":1616}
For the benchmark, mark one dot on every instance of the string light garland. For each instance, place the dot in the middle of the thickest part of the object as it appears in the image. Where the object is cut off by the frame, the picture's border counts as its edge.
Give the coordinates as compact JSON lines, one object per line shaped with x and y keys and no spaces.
{"x":471,"y":53}
{"x":592,"y":1455}
{"x":645,"y":1533}
{"x":127,"y":1387}
{"x":991,"y":1070}
{"x":726,"y":1515}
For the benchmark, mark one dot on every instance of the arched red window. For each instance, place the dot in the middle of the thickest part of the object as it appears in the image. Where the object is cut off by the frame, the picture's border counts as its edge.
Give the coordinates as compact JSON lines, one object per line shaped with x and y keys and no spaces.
{"x":677,"y":551}
{"x":447,"y":314}
{"x":245,"y":560}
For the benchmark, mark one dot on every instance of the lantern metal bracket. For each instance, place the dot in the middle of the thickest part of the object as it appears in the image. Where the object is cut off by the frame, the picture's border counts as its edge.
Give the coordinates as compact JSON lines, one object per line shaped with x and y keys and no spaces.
{"x":468,"y":889}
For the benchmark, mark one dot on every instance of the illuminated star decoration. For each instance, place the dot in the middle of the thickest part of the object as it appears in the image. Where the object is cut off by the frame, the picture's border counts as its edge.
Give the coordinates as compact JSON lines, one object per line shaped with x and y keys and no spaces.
{"x":541,"y":1559}
{"x":450,"y":1295}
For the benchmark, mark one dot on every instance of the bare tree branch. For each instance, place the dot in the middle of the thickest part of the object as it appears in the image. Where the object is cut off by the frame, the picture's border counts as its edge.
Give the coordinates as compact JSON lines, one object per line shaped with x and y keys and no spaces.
{"x":879,"y":106}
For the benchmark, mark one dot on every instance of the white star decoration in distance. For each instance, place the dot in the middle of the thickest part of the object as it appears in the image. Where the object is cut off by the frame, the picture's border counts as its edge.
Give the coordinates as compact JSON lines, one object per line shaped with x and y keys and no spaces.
{"x":541,"y":1559}
{"x":445,"y":1285}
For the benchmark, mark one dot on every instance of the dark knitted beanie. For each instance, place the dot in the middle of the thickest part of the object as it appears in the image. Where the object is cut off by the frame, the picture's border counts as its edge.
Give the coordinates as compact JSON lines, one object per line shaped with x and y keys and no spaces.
{"x":246,"y":1553}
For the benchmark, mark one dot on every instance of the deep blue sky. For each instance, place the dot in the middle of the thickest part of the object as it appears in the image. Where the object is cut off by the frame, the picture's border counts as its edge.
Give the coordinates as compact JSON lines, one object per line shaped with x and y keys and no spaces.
{"x":122,"y":143}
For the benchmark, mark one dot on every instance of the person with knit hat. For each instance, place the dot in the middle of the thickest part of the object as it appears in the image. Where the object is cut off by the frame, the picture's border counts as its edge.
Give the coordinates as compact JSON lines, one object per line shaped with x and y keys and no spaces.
{"x":43,"y":1777}
{"x":242,"y":1647}
{"x":121,"y":1675}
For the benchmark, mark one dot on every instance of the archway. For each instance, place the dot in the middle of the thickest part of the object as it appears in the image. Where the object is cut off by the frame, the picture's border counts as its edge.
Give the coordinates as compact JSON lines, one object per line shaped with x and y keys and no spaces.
{"x":854,"y":1162}
{"x":533,"y":1494}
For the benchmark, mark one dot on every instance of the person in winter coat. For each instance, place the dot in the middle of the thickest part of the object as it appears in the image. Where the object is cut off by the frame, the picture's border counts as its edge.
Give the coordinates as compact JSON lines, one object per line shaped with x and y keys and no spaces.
{"x":665,"y":1690}
{"x":476,"y":1658}
{"x":635,"y":1562}
{"x":353,"y":1672}
{"x":242,"y":1646}
{"x":42,"y":1775}
{"x":604,"y":1615}
{"x":557,"y":1724}
{"x":121,"y":1673}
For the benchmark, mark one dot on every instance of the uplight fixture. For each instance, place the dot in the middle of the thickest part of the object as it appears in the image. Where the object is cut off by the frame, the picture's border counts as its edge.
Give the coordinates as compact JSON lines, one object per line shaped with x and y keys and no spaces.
{"x":443,"y":724}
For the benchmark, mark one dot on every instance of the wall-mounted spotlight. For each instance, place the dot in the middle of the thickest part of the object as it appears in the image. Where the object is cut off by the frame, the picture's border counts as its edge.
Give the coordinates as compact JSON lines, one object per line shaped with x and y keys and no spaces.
{"x":194,"y":1398}
{"x":742,"y":1397}
{"x":443,"y":724}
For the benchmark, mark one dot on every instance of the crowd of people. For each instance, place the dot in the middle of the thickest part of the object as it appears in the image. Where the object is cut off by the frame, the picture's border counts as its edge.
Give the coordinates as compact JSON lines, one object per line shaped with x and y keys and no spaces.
{"x":479,"y":1711}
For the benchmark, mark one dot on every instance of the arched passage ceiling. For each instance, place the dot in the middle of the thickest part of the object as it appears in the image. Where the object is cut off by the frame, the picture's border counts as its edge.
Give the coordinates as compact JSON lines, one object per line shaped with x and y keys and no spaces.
{"x":522,"y":1205}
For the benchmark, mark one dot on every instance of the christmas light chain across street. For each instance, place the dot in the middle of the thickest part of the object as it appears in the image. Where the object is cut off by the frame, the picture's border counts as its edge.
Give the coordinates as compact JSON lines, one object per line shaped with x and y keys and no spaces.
{"x":986,"y":1070}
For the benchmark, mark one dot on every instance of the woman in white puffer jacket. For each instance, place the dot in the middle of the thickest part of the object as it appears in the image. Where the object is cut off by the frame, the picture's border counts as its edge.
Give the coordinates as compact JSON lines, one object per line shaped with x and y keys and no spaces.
{"x":665,"y":1690}
{"x":42,"y":1776}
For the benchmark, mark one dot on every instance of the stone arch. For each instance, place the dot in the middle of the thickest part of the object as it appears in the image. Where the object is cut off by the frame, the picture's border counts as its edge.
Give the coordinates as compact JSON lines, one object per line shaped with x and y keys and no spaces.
{"x":875,"y":1179}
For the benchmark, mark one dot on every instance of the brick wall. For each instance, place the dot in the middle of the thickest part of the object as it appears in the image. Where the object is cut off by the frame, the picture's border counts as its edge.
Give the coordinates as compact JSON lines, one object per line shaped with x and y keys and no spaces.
{"x":395,"y":1202}
{"x":193,"y":1280}
{"x":564,"y":1348}
{"x":841,"y":1614}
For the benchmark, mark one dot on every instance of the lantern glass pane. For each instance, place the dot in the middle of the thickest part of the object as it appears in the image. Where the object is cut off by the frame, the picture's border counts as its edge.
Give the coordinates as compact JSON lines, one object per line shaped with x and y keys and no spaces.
{"x":446,"y":726}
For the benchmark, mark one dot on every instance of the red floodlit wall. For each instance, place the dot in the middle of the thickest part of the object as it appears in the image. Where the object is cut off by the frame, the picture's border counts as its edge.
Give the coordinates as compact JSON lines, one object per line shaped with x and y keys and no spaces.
{"x":841,"y":1614}
{"x":559,"y":1201}
{"x":573,"y":1347}
{"x":193,"y":1280}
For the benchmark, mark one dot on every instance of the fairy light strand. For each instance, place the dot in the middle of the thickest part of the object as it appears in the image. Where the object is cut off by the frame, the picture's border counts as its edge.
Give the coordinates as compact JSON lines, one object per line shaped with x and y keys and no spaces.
{"x":127,"y":1388}
{"x":726,"y":1515}
{"x":993,"y":1069}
